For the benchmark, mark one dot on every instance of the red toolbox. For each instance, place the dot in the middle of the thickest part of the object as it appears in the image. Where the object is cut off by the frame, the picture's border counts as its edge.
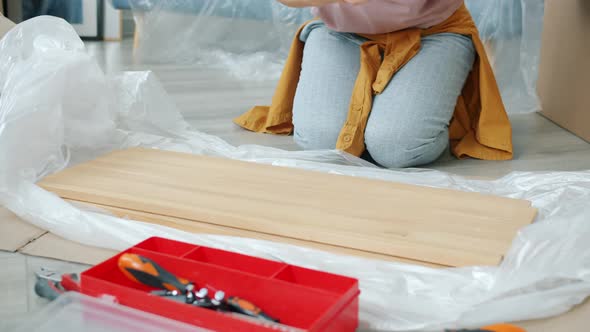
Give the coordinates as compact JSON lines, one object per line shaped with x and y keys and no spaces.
{"x":304,"y":299}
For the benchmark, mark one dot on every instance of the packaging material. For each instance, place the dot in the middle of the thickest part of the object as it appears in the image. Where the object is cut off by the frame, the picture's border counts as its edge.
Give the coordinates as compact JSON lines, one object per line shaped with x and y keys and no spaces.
{"x":565,"y":70}
{"x":511,"y":31}
{"x":66,"y":111}
{"x":77,"y":312}
{"x":251,"y":38}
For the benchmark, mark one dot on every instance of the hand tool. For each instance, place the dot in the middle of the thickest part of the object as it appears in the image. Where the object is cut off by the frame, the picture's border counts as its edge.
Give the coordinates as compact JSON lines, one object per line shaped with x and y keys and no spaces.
{"x":218,"y":298}
{"x":145,"y":271}
{"x":50,"y":284}
{"x":199,"y":298}
{"x":247,"y":308}
{"x":494,"y":328}
{"x":202,"y":299}
{"x":165,"y":292}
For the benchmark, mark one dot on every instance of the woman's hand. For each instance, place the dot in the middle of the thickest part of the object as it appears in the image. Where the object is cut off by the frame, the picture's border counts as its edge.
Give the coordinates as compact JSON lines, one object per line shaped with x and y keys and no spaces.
{"x":317,"y":3}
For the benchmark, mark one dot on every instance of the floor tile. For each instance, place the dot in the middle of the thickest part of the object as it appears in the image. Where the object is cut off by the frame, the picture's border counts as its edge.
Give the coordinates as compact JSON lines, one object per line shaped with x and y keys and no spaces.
{"x":13,"y":286}
{"x":33,"y":264}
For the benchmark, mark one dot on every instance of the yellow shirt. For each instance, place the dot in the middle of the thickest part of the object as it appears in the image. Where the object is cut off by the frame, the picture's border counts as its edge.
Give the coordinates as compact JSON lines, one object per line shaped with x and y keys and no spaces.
{"x":480,"y":127}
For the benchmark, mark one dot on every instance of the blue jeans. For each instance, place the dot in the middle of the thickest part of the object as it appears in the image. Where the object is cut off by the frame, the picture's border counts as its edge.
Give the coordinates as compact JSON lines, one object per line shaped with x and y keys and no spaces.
{"x":408,"y":125}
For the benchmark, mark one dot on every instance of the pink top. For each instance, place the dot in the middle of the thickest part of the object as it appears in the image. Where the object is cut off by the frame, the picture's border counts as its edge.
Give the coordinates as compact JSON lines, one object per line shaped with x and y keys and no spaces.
{"x":381,"y":16}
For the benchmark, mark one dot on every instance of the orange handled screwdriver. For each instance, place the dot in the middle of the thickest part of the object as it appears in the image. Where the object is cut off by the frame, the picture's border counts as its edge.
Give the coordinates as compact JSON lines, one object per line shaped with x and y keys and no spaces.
{"x":145,"y":271}
{"x":494,"y":328}
{"x":247,"y":308}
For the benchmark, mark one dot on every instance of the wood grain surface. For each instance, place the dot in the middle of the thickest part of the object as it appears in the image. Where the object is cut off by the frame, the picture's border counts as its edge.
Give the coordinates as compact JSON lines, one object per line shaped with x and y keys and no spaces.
{"x":439,"y":226}
{"x":198,"y":227}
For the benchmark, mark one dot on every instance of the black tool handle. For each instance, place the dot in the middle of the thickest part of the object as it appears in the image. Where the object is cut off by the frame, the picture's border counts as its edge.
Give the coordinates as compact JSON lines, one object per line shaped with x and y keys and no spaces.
{"x":248,"y":308}
{"x":145,"y":271}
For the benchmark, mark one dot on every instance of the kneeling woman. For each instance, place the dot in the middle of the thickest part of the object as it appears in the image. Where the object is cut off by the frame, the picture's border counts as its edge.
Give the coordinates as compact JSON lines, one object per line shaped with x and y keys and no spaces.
{"x":393,"y":80}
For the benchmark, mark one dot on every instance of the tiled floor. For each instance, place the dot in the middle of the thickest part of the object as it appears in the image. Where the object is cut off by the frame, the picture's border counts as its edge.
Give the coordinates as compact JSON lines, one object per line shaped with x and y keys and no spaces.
{"x":17,"y":297}
{"x":209,"y":100}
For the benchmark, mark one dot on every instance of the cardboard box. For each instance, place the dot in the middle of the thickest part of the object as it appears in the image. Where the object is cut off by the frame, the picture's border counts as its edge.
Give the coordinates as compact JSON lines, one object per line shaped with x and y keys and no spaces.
{"x":5,"y":25}
{"x":564,"y":71}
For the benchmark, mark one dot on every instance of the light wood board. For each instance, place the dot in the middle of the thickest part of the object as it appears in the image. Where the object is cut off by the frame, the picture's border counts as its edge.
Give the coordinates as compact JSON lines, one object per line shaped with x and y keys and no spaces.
{"x":197,"y":227}
{"x":439,"y":226}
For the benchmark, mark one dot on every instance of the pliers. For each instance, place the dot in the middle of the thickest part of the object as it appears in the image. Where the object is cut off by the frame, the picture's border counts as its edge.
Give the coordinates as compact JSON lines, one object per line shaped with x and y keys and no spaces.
{"x":50,"y":284}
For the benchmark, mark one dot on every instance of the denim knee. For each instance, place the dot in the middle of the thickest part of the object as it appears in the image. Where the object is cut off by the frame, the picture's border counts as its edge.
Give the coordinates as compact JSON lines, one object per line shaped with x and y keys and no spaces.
{"x":392,"y":148}
{"x":316,"y":135}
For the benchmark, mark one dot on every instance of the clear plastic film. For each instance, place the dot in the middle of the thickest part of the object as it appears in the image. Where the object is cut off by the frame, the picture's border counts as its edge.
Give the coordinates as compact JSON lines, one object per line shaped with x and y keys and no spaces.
{"x":251,"y":38}
{"x":248,"y":37}
{"x":70,"y":311}
{"x":511,"y":31}
{"x":67,"y":110}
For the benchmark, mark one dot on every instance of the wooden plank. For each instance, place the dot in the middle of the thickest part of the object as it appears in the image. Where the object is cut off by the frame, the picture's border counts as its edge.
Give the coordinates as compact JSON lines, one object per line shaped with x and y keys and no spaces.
{"x":440,"y":226}
{"x":204,"y":228}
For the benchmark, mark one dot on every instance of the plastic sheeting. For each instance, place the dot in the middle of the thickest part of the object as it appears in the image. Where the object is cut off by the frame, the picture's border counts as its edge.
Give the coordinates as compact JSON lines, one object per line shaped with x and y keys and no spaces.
{"x":512,"y":32}
{"x":251,"y":38}
{"x":58,"y":108}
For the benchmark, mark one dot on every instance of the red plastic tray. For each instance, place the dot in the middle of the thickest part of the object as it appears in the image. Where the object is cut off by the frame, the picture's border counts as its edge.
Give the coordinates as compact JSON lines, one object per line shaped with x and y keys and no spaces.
{"x":304,"y":299}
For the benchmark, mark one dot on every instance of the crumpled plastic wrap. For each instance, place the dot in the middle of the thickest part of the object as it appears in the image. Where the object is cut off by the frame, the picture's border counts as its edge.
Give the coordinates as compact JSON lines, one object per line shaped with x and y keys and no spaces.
{"x":251,"y":38}
{"x":511,"y":31}
{"x":58,"y":108}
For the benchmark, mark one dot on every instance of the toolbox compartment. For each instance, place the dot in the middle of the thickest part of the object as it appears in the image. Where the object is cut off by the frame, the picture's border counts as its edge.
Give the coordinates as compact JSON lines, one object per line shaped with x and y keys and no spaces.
{"x":304,"y":299}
